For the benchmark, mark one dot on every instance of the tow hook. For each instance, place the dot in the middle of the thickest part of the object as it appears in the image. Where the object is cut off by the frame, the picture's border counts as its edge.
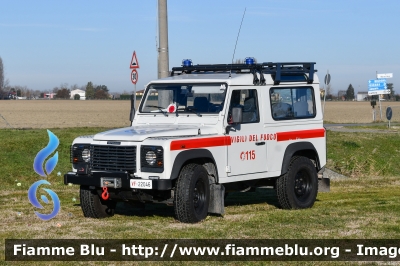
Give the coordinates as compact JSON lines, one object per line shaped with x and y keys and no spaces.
{"x":105,"y":195}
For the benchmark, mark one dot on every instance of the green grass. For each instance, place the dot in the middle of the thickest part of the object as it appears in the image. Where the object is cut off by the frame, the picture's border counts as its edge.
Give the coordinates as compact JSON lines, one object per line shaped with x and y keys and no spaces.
{"x":363,"y":154}
{"x":366,"y":205}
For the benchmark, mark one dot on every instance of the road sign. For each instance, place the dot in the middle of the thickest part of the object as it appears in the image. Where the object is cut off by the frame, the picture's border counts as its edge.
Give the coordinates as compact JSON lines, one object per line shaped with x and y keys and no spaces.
{"x":327,"y":79}
{"x":134,"y":76}
{"x":377,"y":86}
{"x":384,"y":76}
{"x":134,"y":62}
{"x":389,"y":113}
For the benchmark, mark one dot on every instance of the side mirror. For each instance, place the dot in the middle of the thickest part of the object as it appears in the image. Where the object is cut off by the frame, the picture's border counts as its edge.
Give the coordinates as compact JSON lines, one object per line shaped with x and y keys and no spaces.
{"x":237,"y":115}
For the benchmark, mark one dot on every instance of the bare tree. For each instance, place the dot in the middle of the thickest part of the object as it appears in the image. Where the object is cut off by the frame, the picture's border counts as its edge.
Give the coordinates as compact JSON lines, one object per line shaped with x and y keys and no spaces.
{"x":101,"y":94}
{"x":63,"y":94}
{"x":1,"y":78}
{"x":64,"y":86}
{"x":74,"y":87}
{"x":328,"y":90}
{"x":1,"y":75}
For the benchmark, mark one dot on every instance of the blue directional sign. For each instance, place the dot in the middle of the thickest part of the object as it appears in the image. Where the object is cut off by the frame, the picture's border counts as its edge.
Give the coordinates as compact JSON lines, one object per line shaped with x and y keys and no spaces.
{"x":377,"y":86}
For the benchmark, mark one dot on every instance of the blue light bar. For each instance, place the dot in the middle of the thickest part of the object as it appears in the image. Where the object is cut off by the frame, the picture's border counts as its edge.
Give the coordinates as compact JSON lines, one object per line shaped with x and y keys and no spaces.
{"x":187,"y":62}
{"x":249,"y":60}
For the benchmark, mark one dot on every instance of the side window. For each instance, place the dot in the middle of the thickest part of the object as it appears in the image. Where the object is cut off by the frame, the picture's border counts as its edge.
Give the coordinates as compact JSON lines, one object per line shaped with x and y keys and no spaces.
{"x":292,"y":103}
{"x":248,"y":101}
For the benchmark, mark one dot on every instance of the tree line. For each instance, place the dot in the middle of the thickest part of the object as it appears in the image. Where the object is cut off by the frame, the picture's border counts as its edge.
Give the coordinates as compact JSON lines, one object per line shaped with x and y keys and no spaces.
{"x":349,"y":94}
{"x":91,"y":91}
{"x":60,"y":92}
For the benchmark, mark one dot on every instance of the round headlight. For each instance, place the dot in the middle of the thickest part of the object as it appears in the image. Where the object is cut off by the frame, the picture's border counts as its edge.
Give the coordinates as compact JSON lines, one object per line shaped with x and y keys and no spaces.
{"x":86,"y":155}
{"x":151,"y":157}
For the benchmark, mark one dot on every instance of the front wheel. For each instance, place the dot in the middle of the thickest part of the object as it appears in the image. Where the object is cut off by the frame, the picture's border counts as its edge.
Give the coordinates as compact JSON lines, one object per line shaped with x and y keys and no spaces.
{"x":192,"y":194}
{"x":93,"y":206}
{"x":298,"y":188}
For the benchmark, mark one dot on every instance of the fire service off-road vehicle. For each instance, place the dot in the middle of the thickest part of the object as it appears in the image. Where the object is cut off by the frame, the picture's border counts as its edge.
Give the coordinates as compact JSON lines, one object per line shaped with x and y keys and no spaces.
{"x":207,"y":130}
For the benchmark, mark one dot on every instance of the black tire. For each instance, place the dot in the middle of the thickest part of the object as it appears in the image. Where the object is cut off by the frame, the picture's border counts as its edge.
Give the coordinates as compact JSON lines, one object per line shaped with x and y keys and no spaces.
{"x":298,"y":188}
{"x":192,"y":194}
{"x":93,"y":206}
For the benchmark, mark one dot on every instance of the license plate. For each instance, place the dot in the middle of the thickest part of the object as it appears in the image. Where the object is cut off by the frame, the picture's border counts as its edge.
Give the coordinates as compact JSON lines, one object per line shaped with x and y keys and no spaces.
{"x":142,"y":184}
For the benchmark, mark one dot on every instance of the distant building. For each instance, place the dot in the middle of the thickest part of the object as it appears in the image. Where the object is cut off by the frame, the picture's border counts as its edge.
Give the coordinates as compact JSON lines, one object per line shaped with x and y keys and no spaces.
{"x":49,"y":95}
{"x":362,"y":96}
{"x":81,"y":94}
{"x":321,"y":93}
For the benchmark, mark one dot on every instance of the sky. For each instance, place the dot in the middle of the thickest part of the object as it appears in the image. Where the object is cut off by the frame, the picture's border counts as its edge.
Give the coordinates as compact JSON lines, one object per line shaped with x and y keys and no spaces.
{"x":44,"y":44}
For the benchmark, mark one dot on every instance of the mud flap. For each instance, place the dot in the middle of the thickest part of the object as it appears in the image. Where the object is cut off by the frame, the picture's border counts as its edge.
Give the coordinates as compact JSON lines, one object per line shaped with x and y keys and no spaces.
{"x":324,"y":184}
{"x":217,"y":204}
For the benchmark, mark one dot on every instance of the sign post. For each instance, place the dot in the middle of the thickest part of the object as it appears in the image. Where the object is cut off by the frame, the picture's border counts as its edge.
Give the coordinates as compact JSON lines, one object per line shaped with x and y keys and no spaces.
{"x":327,"y":81}
{"x":384,"y":76}
{"x":378,"y":87}
{"x":134,"y":74}
{"x":389,"y":114}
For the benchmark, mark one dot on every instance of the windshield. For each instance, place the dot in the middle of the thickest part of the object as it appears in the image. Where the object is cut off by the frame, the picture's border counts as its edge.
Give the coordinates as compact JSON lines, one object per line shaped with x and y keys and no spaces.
{"x":184,"y":98}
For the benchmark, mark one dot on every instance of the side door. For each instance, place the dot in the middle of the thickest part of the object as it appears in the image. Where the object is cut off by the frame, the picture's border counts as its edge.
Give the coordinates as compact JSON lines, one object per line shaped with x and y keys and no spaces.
{"x":247,"y":153}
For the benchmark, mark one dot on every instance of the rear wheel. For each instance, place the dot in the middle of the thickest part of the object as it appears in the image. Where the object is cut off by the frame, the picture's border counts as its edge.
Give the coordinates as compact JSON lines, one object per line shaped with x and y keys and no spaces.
{"x":93,"y":206}
{"x":298,"y":188}
{"x":192,"y":194}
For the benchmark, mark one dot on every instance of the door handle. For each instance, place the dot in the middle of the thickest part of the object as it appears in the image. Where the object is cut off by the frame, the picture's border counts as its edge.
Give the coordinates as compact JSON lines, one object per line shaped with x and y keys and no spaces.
{"x":260,"y":143}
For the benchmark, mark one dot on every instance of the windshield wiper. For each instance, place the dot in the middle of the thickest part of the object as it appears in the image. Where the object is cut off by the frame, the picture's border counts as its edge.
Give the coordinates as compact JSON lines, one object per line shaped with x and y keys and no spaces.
{"x":193,"y":110}
{"x":159,"y":108}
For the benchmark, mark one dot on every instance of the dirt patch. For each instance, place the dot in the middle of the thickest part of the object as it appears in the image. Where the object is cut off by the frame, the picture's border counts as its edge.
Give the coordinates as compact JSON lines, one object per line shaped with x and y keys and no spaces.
{"x":63,"y":114}
{"x":358,"y":112}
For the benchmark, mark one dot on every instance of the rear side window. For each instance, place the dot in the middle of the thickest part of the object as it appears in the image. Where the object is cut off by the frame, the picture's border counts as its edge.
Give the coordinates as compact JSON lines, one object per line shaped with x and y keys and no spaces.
{"x":292,"y":103}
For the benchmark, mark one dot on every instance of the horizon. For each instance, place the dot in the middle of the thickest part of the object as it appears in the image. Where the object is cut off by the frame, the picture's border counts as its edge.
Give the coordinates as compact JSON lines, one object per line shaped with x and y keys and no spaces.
{"x":51,"y":43}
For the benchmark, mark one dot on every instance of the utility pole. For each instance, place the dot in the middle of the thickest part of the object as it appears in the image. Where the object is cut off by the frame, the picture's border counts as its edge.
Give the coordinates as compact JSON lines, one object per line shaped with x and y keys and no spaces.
{"x":379,"y":98}
{"x":163,"y":58}
{"x":164,"y":97}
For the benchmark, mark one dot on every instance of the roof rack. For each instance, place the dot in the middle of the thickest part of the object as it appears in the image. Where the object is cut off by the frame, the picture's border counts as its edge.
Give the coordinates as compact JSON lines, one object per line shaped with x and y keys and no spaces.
{"x":277,"y":70}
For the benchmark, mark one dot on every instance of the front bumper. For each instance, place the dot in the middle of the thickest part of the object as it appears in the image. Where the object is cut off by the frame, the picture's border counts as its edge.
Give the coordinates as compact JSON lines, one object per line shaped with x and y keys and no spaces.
{"x":123,"y":178}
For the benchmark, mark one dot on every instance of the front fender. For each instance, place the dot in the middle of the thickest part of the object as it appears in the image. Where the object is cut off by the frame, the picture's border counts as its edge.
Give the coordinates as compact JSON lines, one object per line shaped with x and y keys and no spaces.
{"x":188,"y":155}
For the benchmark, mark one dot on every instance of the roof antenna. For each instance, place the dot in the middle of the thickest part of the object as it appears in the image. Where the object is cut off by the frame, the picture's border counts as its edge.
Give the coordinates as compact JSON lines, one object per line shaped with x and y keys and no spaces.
{"x":237,"y":38}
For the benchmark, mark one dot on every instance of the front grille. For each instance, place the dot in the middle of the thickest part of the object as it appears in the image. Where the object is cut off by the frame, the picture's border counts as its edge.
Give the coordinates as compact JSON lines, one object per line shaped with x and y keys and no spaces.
{"x":113,"y":158}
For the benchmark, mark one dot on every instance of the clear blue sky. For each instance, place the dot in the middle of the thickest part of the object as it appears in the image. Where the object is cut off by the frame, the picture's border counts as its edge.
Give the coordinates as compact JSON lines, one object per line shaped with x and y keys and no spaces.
{"x":46,"y":43}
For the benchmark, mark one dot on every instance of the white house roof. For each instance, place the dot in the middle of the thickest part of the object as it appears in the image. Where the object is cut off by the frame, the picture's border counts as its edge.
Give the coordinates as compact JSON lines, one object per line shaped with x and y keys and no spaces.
{"x":77,"y":91}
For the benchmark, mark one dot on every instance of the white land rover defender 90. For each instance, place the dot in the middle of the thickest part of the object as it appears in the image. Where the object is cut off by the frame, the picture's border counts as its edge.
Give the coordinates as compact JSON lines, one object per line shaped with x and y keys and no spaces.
{"x":207,"y":130}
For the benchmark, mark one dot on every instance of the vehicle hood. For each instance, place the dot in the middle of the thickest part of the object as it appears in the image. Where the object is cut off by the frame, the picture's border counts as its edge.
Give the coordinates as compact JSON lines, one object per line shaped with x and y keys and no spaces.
{"x":140,"y":133}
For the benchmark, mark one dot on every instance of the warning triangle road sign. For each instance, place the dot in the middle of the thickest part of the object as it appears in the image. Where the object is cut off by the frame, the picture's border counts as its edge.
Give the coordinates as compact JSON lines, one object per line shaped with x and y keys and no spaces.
{"x":134,"y":61}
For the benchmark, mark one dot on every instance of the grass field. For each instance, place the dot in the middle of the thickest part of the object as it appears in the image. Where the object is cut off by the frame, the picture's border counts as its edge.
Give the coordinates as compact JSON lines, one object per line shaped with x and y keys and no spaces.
{"x":364,"y":206}
{"x":69,"y":113}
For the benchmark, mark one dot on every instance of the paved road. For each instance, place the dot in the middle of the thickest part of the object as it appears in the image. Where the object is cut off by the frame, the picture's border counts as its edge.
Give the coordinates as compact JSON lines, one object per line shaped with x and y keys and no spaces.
{"x":394,"y":128}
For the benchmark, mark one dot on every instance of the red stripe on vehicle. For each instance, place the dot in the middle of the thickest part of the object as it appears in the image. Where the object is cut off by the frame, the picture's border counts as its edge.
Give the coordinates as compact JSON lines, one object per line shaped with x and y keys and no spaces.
{"x":301,"y":134}
{"x":200,"y":143}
